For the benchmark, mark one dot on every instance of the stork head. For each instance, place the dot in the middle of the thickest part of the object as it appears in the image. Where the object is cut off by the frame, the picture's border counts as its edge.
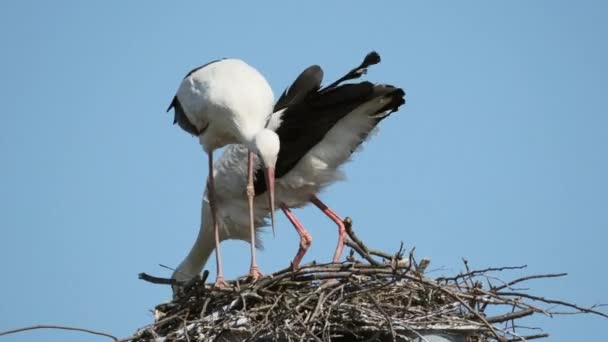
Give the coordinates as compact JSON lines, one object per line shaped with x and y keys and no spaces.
{"x":267,"y":144}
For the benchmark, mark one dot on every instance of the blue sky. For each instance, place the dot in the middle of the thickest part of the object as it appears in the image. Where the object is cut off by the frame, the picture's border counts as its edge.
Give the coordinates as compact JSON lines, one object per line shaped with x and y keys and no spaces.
{"x":499,"y":155}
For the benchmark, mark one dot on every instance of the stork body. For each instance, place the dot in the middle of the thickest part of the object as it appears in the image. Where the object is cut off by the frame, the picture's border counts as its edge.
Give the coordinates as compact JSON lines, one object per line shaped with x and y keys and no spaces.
{"x":229,"y":102}
{"x":319,"y":128}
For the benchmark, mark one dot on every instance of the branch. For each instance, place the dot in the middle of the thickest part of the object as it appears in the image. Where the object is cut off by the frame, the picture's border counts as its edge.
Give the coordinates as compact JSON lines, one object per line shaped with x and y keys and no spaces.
{"x":510,"y":316}
{"x":537,"y":276}
{"x":372,"y":294}
{"x":61,"y":327}
{"x":529,"y":337}
{"x":553,"y":301}
{"x":358,"y":245}
{"x":156,"y":280}
{"x":478,"y":272}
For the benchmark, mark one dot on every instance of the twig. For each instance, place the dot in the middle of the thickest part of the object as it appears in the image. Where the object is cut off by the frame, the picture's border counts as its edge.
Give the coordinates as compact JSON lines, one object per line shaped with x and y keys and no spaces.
{"x":478,"y":272}
{"x":156,"y":280}
{"x":361,"y":252}
{"x":348,"y":225}
{"x":553,"y":301}
{"x":186,"y":330}
{"x":472,"y":311}
{"x":536,"y":276}
{"x":364,"y":297}
{"x":510,"y":316}
{"x":357,"y":244}
{"x":386,"y":316}
{"x":529,"y":337}
{"x":60,"y":327}
{"x":307,"y":329}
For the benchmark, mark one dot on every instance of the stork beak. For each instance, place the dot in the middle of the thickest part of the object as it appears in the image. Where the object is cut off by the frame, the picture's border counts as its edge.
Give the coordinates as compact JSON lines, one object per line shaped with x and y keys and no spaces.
{"x":270,"y":184}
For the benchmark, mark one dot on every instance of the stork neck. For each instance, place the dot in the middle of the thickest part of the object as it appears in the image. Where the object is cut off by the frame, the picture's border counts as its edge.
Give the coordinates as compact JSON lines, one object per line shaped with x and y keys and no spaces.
{"x":204,"y":245}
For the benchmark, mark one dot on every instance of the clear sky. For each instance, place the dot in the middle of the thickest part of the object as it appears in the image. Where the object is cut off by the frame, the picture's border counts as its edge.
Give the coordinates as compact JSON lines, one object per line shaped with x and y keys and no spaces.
{"x":499,"y":156}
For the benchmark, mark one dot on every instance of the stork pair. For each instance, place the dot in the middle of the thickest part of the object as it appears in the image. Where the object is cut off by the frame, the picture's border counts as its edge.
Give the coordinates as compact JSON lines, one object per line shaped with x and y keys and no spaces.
{"x":302,"y":140}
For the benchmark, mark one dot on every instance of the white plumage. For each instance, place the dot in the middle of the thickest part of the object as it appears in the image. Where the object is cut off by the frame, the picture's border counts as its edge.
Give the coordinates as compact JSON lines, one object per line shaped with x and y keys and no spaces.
{"x":299,"y":184}
{"x":228,"y":99}
{"x":229,"y":102}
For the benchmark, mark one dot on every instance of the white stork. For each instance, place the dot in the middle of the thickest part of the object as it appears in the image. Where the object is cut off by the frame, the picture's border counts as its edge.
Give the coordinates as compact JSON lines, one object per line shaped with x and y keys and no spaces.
{"x":229,"y":102}
{"x":319,"y":129}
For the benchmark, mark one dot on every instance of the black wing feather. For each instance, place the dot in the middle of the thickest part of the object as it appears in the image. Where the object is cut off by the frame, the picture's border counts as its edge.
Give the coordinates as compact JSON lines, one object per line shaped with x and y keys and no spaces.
{"x":308,"y":81}
{"x":181,"y":119}
{"x":311,"y":112}
{"x":305,"y":124}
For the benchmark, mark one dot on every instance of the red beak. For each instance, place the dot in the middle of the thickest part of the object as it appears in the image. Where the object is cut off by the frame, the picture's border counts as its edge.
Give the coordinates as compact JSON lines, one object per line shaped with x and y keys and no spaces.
{"x":270,"y":184}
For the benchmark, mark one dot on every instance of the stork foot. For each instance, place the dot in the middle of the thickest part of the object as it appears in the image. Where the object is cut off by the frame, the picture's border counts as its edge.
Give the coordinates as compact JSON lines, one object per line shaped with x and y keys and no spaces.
{"x":220,"y":283}
{"x":254,"y":274}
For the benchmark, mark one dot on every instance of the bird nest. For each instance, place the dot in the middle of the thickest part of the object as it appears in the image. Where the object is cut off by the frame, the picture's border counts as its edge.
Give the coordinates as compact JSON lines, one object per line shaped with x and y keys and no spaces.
{"x":373,"y":296}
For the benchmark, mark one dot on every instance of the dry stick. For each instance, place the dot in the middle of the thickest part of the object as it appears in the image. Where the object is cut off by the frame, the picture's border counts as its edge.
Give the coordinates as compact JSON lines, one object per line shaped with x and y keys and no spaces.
{"x":167,"y":321}
{"x":277,"y":278}
{"x":272,"y":279}
{"x":529,"y":337}
{"x":361,"y":252}
{"x":552,"y":301}
{"x":186,"y":330}
{"x":306,"y":329}
{"x":527,"y":327}
{"x":321,"y":298}
{"x":331,"y":293}
{"x":266,"y":323}
{"x":160,"y":323}
{"x":515,"y":335}
{"x":488,"y":278}
{"x":469,"y":278}
{"x":510,"y":316}
{"x":515,"y":303}
{"x":204,"y":309}
{"x":313,"y":313}
{"x":60,"y":327}
{"x":519,"y":280}
{"x":382,"y":272}
{"x":358,"y":245}
{"x":459,"y":299}
{"x":477,"y":272}
{"x":386,"y":316}
{"x":376,"y":288}
{"x":170,"y":281}
{"x":383,"y":255}
{"x":348,"y":225}
{"x":329,"y":273}
{"x":156,"y":280}
{"x":566,"y":313}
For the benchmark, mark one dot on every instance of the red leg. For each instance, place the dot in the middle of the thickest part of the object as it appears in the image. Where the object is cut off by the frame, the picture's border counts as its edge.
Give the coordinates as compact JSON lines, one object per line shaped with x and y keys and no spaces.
{"x":219,"y":281}
{"x":334,"y":217}
{"x":305,"y":238}
{"x":254,"y":270}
